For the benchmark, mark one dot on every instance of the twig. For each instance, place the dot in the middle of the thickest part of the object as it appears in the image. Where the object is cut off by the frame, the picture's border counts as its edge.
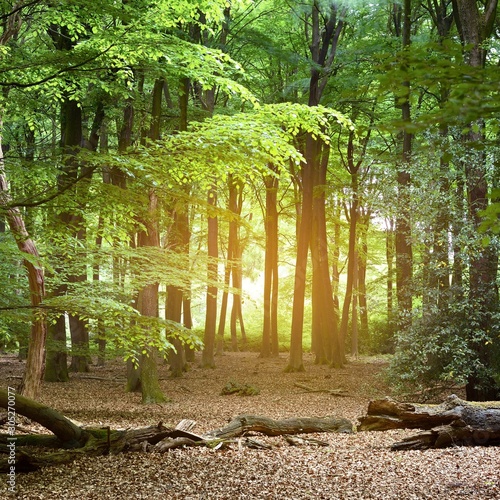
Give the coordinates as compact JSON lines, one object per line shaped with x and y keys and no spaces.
{"x":333,"y":392}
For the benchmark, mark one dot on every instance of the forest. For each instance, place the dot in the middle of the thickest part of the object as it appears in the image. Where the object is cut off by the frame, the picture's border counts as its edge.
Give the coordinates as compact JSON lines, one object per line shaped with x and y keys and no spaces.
{"x":312,"y":182}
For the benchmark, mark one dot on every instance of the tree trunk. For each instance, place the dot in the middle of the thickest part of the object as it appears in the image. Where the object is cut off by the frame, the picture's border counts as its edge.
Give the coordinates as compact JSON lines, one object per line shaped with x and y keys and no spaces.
{"x":104,"y":441}
{"x":353,"y":169}
{"x":211,"y":300}
{"x":173,"y":312}
{"x":147,"y":305}
{"x":233,"y":246}
{"x":335,"y":261}
{"x":390,"y":252}
{"x":64,"y":429}
{"x":228,"y":270}
{"x":362,"y":259}
{"x":187,"y":320}
{"x":404,"y":252}
{"x":174,"y":302}
{"x":295,"y":362}
{"x":225,"y":296}
{"x":80,"y":346}
{"x":244,"y":424}
{"x":35,"y":363}
{"x":354,"y":317}
{"x":101,"y":333}
{"x":325,"y":319}
{"x":269,"y":331}
{"x":457,"y":289}
{"x":474,"y":28}
{"x":76,"y":440}
{"x":147,"y":299}
{"x":56,"y":369}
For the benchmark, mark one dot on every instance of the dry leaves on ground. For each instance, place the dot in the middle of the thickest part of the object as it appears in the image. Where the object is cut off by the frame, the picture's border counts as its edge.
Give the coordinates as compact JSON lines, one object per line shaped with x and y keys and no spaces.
{"x":356,"y":466}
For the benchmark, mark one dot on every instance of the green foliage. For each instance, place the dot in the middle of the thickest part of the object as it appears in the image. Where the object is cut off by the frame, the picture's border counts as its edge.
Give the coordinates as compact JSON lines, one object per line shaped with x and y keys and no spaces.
{"x":14,"y":295}
{"x":441,"y":349}
{"x":491,"y":223}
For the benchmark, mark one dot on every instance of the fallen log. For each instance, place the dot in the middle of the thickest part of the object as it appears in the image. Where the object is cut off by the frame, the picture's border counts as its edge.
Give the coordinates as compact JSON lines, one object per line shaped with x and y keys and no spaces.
{"x":74,"y":441}
{"x":452,"y":423}
{"x":245,"y":424}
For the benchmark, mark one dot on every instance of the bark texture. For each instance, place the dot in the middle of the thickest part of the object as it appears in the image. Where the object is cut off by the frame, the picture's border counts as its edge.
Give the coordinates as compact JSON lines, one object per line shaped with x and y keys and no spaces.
{"x":300,"y":425}
{"x":453,"y":423}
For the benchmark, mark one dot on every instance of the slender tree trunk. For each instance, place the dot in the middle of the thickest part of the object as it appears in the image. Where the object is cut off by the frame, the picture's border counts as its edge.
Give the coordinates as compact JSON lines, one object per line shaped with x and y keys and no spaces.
{"x":362,"y":259}
{"x":274,"y":297}
{"x":354,"y":318}
{"x":73,"y":139}
{"x":225,"y":295}
{"x":404,"y":252}
{"x":228,"y":272}
{"x":295,"y":362}
{"x":173,"y":312}
{"x":233,"y":250}
{"x":79,"y":344}
{"x":56,"y":367}
{"x":211,"y":301}
{"x":335,"y":261}
{"x":101,"y":332}
{"x":183,"y":219}
{"x":269,"y":333}
{"x":353,"y":168}
{"x":457,"y":288}
{"x":390,"y":252}
{"x":173,"y":304}
{"x":187,"y":319}
{"x":237,"y":271}
{"x":119,"y":179}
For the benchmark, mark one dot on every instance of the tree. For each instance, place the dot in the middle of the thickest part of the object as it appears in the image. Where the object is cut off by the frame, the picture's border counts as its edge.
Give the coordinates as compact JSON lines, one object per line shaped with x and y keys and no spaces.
{"x":403,"y":244}
{"x":323,"y":47}
{"x":35,"y":362}
{"x":270,"y":345}
{"x":475,"y":27}
{"x":211,"y":301}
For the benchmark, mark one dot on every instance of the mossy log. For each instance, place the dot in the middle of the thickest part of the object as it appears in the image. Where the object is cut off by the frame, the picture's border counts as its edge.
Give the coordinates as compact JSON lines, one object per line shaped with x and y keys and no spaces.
{"x":452,"y":423}
{"x":68,"y":432}
{"x":71,"y":440}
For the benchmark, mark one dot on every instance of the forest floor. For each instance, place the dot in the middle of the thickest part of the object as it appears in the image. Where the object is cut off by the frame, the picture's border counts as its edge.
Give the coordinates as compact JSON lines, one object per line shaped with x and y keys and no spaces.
{"x":352,"y":466}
